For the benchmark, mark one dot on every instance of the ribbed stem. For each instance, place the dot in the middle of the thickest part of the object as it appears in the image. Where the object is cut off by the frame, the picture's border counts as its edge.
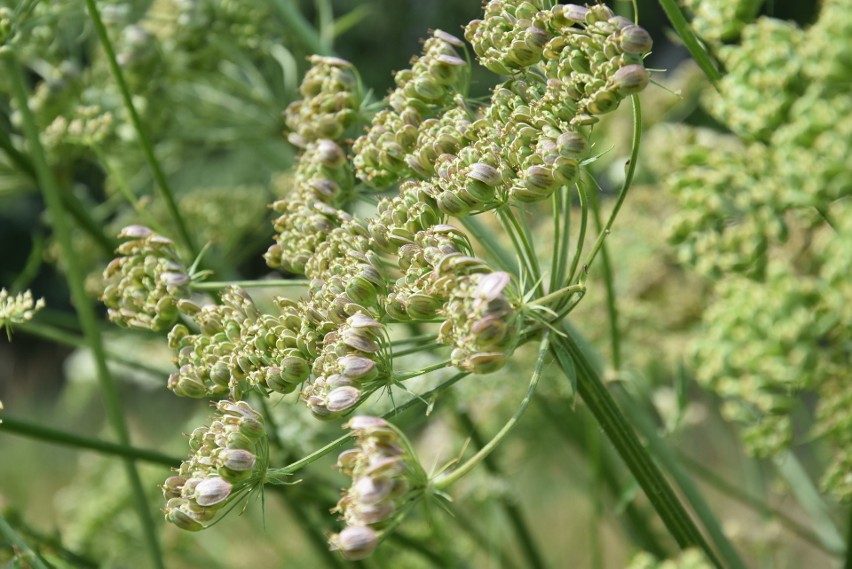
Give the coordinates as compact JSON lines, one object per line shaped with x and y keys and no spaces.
{"x":63,"y":437}
{"x":144,"y":141}
{"x":624,"y":439}
{"x":25,"y":553}
{"x":690,"y":40}
{"x":85,"y":310}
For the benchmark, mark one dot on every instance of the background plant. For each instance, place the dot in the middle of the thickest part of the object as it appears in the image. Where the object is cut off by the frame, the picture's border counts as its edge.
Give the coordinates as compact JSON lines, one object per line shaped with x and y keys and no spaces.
{"x":751,"y":205}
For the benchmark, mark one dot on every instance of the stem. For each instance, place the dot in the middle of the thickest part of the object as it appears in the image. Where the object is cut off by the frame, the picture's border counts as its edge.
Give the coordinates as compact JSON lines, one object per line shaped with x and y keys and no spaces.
{"x":513,"y":512}
{"x":63,"y":437}
{"x":445,"y":481}
{"x":280,"y":474}
{"x":144,"y":140}
{"x":558,"y":254}
{"x":609,"y":283}
{"x":516,"y":243}
{"x":699,"y":54}
{"x":568,"y":290}
{"x":403,"y":375}
{"x":581,"y":236}
{"x":628,"y":179}
{"x":24,"y":552}
{"x":60,"y":336}
{"x":218,"y":285}
{"x":668,"y":459}
{"x":625,"y":441}
{"x":425,"y":347}
{"x":808,"y":496}
{"x":85,"y":310}
{"x":491,"y":245}
{"x":735,"y":492}
{"x":301,"y":29}
{"x":566,"y":237}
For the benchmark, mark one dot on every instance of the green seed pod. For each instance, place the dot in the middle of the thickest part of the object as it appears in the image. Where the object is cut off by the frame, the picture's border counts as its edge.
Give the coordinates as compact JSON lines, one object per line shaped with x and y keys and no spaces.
{"x":630,"y":79}
{"x":635,"y":40}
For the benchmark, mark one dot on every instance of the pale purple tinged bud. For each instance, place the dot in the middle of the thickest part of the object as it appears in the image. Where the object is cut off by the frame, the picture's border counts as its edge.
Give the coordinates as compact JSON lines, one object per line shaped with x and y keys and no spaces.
{"x":356,"y":542}
{"x":212,"y":491}
{"x":342,"y":398}
{"x":491,"y":285}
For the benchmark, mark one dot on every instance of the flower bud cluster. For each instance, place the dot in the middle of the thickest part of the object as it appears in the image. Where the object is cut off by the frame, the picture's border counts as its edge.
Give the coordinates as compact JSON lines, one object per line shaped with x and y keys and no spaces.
{"x":481,"y":323}
{"x":18,"y":309}
{"x":392,"y":149}
{"x":235,"y":349}
{"x":594,"y":58}
{"x":144,"y":283}
{"x":510,"y":37}
{"x":383,"y":472}
{"x":768,"y":61}
{"x":353,"y":359}
{"x":229,"y":458}
{"x":329,"y":102}
{"x":441,"y":278}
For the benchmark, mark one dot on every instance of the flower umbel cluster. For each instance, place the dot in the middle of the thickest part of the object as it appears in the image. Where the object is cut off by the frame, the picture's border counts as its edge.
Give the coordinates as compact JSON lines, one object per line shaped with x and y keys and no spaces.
{"x":385,"y":479}
{"x":143,"y":285}
{"x":17,"y":309}
{"x":229,"y":459}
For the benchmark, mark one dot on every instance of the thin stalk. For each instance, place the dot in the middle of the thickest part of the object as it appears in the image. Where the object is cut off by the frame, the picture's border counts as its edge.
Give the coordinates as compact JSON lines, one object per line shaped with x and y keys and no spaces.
{"x":557,"y":254}
{"x":513,"y":512}
{"x":141,"y":132}
{"x":263,"y":283}
{"x":24,"y":552}
{"x":630,"y":170}
{"x":19,"y":158}
{"x":609,"y":284}
{"x":32,"y":265}
{"x":445,"y":481}
{"x":610,"y":418}
{"x":667,"y":458}
{"x":281,"y":474}
{"x":493,"y":247}
{"x":690,"y":40}
{"x":298,"y":26}
{"x":417,"y":339}
{"x":60,"y":336}
{"x":404,"y":375}
{"x":848,"y":563}
{"x":87,"y":223}
{"x":39,"y":432}
{"x":581,"y":235}
{"x":516,"y":241}
{"x":809,"y":497}
{"x":529,"y":242}
{"x":429,"y":346}
{"x":734,"y":492}
{"x":565,"y":243}
{"x":85,"y":310}
{"x":126,"y":192}
{"x":558,"y":294}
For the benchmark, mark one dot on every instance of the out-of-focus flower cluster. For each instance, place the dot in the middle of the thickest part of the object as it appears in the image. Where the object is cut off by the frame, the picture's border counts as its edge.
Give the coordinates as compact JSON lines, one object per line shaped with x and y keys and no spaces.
{"x":385,"y":477}
{"x":689,"y":559}
{"x":721,"y":20}
{"x":763,"y":214}
{"x":229,"y":459}
{"x":17,"y":309}
{"x":145,"y":282}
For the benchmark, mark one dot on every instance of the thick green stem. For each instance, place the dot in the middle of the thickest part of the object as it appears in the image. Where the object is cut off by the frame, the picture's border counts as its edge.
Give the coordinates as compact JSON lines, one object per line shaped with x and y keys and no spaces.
{"x":627,"y":444}
{"x":144,"y":141}
{"x":664,"y":454}
{"x":63,"y":437}
{"x":445,"y":481}
{"x":25,"y":553}
{"x":85,"y":310}
{"x":690,"y":40}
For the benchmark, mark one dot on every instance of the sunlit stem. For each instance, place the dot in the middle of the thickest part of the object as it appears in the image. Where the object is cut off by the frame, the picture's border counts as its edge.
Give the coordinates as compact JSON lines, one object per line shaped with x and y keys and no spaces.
{"x":445,"y":481}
